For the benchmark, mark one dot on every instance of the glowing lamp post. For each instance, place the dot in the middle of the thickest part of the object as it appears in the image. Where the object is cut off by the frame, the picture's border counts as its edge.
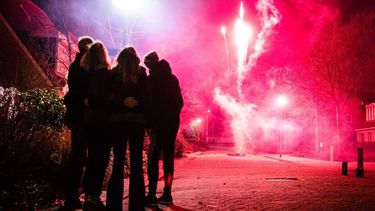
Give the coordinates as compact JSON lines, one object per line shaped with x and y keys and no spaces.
{"x":127,"y":5}
{"x":197,"y":122}
{"x":224,"y":32}
{"x":208,"y":113}
{"x":282,"y":102}
{"x":130,"y":9}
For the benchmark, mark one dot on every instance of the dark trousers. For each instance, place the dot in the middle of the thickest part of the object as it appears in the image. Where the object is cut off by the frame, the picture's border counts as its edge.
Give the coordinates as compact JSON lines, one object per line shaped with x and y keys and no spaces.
{"x":76,"y":162}
{"x":121,"y":135}
{"x":163,"y":139}
{"x":98,"y":155}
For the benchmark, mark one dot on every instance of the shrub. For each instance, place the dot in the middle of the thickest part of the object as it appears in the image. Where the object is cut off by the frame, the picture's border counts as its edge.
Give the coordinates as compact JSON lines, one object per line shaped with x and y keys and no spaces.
{"x":33,"y":142}
{"x":182,"y":147}
{"x":44,"y":107}
{"x":9,"y":102}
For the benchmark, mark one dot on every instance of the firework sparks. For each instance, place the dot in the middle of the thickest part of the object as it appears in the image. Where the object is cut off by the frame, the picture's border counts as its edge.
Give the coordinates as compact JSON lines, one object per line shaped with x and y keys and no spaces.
{"x":223,"y":32}
{"x":270,"y":17}
{"x":242,"y":38}
{"x":240,"y":111}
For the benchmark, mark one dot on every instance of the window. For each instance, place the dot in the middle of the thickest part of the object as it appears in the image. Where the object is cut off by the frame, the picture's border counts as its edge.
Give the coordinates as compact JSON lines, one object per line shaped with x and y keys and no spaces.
{"x":361,"y":137}
{"x":369,"y":137}
{"x":348,"y":118}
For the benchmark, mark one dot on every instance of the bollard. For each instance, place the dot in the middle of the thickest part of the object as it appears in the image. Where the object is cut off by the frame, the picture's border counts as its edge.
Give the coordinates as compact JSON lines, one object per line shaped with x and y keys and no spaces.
{"x":344,"y":168}
{"x":360,"y":170}
{"x":331,"y":153}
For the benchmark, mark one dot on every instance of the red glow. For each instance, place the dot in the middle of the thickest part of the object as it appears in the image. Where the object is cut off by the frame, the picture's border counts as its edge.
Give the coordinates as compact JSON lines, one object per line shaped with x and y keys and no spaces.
{"x":273,"y":53}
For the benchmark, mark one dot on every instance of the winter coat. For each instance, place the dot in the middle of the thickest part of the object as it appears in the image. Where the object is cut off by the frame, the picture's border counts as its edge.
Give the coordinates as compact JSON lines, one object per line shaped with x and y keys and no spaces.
{"x":98,"y":104}
{"x":121,"y":113}
{"x":78,"y":80}
{"x":165,"y":94}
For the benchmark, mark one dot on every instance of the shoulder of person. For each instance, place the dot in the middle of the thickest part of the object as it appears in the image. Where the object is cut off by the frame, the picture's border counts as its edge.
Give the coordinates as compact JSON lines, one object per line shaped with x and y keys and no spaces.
{"x":74,"y":66}
{"x":174,"y":78}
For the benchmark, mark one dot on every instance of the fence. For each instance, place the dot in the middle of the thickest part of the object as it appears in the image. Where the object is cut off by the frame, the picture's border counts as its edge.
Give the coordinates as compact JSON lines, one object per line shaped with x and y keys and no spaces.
{"x":219,"y":140}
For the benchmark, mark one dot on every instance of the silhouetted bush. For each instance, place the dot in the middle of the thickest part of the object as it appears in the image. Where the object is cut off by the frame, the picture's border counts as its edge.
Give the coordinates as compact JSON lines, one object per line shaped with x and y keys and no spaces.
{"x":43,"y":106}
{"x":33,"y":144}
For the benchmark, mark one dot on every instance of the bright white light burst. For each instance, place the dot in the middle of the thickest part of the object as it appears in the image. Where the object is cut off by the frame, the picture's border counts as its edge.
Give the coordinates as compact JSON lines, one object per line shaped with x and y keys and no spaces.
{"x":128,"y":5}
{"x":282,"y":101}
{"x":242,"y":38}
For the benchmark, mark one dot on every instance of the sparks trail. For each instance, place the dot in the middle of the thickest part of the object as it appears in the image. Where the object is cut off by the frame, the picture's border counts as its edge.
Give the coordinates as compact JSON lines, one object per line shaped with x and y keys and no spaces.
{"x":238,"y":108}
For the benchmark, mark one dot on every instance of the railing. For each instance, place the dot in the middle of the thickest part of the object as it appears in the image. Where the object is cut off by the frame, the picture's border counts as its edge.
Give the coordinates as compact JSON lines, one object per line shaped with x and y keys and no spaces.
{"x":219,"y":140}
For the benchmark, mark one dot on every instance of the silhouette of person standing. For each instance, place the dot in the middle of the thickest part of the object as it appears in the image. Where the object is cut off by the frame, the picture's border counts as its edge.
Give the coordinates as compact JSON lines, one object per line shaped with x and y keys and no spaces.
{"x":166,"y":104}
{"x":74,"y":102}
{"x":96,"y":63}
{"x":128,"y":120}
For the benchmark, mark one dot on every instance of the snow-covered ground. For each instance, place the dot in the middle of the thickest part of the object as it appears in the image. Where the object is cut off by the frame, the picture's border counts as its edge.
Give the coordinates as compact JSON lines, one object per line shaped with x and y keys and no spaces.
{"x":213,"y":180}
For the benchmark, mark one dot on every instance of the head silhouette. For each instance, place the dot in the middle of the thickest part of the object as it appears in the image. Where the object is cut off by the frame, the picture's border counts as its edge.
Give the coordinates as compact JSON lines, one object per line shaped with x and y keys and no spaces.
{"x":151,"y":58}
{"x":84,"y":43}
{"x":128,"y":65}
{"x":96,"y":57}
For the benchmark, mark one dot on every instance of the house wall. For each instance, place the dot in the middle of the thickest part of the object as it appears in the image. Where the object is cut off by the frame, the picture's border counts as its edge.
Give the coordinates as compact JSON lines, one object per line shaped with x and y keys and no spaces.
{"x":18,"y":68}
{"x":367,"y":133}
{"x":63,"y":54}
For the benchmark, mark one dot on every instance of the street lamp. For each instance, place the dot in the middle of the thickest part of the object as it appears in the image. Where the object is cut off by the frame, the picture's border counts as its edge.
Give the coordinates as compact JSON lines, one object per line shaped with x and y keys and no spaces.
{"x":207,"y":116}
{"x":196,"y":124}
{"x":128,"y":5}
{"x":282,"y":102}
{"x":130,"y":10}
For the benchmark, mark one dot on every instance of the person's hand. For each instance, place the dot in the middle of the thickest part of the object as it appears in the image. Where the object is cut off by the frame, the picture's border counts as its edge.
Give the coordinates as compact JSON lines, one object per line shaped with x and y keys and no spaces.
{"x":86,"y":102}
{"x":147,"y":132}
{"x":130,"y":102}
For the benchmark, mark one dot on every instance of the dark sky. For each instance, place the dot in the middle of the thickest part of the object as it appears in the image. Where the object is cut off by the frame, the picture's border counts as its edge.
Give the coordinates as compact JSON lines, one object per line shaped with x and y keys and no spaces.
{"x":187,"y":32}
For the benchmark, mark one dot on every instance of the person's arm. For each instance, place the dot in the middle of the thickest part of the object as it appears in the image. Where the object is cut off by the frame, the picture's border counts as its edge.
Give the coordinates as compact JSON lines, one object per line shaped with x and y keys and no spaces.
{"x":176,"y":94}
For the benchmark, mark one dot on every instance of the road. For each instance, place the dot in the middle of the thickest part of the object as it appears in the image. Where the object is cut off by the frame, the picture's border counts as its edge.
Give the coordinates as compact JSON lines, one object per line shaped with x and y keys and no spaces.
{"x":213,"y":180}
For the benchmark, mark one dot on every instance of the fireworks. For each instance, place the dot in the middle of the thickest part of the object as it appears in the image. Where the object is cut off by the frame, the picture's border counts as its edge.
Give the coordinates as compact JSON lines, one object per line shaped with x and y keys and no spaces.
{"x":240,"y":111}
{"x":242,"y":38}
{"x":223,"y":32}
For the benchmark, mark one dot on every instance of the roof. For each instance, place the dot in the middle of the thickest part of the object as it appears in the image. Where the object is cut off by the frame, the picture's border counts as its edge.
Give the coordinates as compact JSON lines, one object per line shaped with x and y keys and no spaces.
{"x":25,"y":16}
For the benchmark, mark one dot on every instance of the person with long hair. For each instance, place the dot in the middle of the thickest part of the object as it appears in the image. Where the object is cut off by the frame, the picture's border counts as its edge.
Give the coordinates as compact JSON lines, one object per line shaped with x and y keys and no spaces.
{"x":128,"y":122}
{"x":95,"y":61}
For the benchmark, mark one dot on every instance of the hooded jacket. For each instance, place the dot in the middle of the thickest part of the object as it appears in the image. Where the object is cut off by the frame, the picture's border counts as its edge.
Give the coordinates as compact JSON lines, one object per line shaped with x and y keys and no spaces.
{"x":165,"y":93}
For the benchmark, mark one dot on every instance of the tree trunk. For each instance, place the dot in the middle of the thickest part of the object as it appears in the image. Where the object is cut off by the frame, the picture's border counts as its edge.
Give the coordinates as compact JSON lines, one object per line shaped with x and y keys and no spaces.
{"x":317,"y":142}
{"x":337,"y":138}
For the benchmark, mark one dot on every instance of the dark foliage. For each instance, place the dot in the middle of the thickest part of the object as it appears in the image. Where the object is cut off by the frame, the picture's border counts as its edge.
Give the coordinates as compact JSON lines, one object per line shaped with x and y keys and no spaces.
{"x":33,"y":147}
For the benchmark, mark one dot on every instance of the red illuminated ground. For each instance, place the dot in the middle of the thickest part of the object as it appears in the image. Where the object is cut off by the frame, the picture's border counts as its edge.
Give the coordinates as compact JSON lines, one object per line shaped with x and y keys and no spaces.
{"x":212,"y":180}
{"x":215,"y":181}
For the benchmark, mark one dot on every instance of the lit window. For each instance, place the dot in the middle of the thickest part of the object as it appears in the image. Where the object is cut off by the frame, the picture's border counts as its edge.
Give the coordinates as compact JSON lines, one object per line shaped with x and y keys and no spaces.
{"x":369,"y":137}
{"x":362,"y":137}
{"x":348,"y":118}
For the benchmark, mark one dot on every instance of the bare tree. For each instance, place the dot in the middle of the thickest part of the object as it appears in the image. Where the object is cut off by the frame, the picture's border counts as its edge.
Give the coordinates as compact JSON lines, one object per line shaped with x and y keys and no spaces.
{"x":341,"y":62}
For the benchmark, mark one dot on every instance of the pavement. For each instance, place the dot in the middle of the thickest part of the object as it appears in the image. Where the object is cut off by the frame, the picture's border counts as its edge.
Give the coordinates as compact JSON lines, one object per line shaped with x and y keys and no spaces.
{"x":213,"y":180}
{"x":216,"y":180}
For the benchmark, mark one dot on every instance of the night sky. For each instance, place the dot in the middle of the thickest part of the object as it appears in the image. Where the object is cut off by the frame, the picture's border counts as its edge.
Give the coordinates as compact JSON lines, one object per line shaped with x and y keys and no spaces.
{"x":187,"y":34}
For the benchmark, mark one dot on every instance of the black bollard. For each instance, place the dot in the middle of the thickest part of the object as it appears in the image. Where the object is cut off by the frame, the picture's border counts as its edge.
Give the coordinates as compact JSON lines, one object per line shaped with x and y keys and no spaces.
{"x":344,"y":169}
{"x":360,"y":170}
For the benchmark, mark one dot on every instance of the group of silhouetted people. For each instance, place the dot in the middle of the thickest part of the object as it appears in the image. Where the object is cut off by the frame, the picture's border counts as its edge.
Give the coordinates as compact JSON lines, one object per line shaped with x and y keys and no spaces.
{"x":110,"y":109}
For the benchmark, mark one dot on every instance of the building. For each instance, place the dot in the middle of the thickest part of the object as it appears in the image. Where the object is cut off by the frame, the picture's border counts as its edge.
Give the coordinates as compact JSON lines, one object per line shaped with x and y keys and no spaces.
{"x":366,"y":134}
{"x":48,"y":49}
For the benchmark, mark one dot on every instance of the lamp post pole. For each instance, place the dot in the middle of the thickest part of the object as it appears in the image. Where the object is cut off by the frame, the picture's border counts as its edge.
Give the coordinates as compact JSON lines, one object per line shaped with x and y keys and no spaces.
{"x":282,"y":101}
{"x":208,"y":113}
{"x":197,"y":123}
